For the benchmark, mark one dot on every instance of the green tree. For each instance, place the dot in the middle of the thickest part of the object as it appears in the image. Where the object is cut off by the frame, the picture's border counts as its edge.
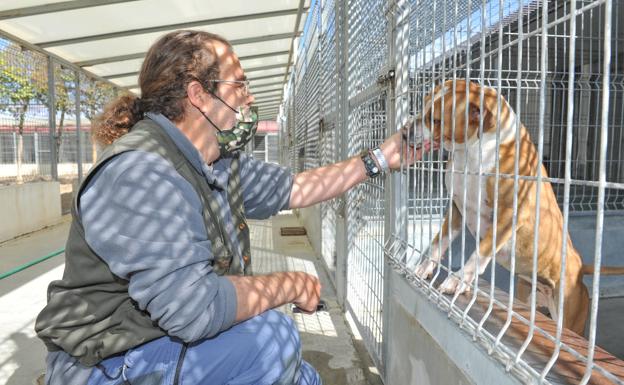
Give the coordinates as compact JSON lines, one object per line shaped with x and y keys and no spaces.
{"x":23,"y":80}
{"x":64,"y":101}
{"x":94,"y":96}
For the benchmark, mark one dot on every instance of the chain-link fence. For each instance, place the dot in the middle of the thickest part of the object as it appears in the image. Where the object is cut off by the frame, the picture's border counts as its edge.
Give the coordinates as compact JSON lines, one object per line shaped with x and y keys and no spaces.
{"x":46,"y":107}
{"x":555,"y":70}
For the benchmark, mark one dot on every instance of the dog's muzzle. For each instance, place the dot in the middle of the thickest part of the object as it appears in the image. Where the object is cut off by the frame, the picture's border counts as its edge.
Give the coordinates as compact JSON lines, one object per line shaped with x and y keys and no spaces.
{"x":415,"y":134}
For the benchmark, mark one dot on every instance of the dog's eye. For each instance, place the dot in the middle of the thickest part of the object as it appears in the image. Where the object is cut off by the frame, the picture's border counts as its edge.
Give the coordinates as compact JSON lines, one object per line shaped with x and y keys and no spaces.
{"x":437,"y":121}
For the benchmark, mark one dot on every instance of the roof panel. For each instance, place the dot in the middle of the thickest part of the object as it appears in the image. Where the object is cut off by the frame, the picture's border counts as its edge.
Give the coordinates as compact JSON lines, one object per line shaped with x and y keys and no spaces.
{"x":262,"y":47}
{"x":123,"y":16}
{"x":127,"y":81}
{"x":89,"y":20}
{"x":141,"y":43}
{"x":120,"y":67}
{"x":273,"y":71}
{"x":278,"y":59}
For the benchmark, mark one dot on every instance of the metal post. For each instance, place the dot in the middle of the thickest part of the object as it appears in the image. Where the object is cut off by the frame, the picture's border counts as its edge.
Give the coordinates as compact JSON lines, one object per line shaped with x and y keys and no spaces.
{"x":52,"y":119}
{"x":342,"y":249}
{"x":602,"y":181}
{"x":78,"y":130}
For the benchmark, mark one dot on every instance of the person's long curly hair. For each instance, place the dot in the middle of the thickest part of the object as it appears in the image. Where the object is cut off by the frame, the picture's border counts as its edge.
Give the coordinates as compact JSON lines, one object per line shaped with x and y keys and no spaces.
{"x":171,"y":63}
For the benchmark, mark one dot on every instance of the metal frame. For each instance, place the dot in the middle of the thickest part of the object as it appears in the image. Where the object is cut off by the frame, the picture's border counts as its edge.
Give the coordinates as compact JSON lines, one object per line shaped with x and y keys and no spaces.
{"x":54,"y":151}
{"x":171,"y":27}
{"x":65,"y":6}
{"x":56,"y":7}
{"x":499,"y":43}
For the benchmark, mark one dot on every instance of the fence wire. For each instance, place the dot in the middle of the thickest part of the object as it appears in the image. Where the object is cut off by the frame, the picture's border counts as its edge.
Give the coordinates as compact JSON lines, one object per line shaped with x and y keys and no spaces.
{"x":38,"y":142}
{"x":547,"y":95}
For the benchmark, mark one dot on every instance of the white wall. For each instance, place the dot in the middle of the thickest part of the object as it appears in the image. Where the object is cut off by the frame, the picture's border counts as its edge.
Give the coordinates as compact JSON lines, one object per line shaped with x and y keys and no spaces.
{"x":28,"y":207}
{"x":311,"y":220}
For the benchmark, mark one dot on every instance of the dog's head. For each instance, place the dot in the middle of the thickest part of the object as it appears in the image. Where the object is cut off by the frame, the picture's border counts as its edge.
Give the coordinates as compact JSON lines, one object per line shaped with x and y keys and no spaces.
{"x":442,"y":123}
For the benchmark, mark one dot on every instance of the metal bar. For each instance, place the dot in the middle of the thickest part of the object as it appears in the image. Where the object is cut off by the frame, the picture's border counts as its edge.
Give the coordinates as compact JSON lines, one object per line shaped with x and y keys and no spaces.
{"x":604,"y":141}
{"x":52,"y":119}
{"x":516,"y":184}
{"x":56,"y":7}
{"x":497,"y":177}
{"x":170,"y":27}
{"x":540,"y":156}
{"x":268,"y":67}
{"x":397,"y":36}
{"x":566,"y":195}
{"x":342,"y":251}
{"x":295,"y":33}
{"x":77,"y":94}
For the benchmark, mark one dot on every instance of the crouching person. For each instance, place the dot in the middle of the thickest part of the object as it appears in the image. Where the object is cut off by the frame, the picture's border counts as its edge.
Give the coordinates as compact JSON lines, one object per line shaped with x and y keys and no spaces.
{"x":157,"y":287}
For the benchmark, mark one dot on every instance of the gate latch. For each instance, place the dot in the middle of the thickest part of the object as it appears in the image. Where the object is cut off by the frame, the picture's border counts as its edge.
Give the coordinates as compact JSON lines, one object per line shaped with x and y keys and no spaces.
{"x":384,"y":78}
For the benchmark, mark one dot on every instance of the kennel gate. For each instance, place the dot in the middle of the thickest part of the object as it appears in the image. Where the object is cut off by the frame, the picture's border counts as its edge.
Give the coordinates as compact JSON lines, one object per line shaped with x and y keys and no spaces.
{"x":367,"y":65}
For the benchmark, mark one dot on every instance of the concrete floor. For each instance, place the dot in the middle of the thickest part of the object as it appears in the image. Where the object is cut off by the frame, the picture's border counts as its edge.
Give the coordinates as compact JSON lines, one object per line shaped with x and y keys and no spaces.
{"x":327,"y":341}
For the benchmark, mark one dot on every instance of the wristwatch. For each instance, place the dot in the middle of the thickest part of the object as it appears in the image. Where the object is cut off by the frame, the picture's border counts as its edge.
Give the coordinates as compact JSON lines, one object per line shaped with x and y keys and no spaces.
{"x":372,"y":170}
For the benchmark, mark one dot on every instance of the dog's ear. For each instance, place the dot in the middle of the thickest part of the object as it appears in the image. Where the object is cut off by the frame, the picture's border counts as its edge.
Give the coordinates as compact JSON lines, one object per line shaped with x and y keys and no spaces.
{"x":474,"y":116}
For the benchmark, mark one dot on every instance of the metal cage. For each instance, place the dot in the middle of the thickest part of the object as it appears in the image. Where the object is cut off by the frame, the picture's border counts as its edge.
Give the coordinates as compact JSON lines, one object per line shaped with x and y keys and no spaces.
{"x":364,"y":66}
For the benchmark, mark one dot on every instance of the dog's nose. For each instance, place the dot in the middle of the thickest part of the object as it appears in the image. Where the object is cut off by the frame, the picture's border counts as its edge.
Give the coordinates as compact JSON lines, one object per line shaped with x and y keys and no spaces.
{"x":414,"y":134}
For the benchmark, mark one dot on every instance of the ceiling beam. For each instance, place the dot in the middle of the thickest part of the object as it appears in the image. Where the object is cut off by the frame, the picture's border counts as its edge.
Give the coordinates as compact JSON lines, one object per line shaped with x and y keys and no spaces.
{"x":268,"y":54}
{"x":257,"y":56}
{"x":252,"y":79}
{"x":267,"y":67}
{"x":267,"y":98}
{"x":267,"y":84}
{"x":123,"y":75}
{"x":268,"y":107}
{"x":262,"y":55}
{"x":168,"y":27}
{"x":268,"y":102}
{"x":56,"y":7}
{"x":262,"y":86}
{"x":112,"y":59}
{"x":292,"y":43}
{"x":267,"y":91}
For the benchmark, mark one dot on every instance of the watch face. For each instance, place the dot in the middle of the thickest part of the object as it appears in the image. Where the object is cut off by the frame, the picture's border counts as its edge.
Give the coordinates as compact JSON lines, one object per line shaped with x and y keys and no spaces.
{"x":371,"y":167}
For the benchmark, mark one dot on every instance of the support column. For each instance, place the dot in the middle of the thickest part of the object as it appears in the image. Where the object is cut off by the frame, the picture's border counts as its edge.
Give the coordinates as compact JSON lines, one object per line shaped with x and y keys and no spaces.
{"x":52,"y":119}
{"x":342,"y":238}
{"x":395,"y":229}
{"x":78,"y":128}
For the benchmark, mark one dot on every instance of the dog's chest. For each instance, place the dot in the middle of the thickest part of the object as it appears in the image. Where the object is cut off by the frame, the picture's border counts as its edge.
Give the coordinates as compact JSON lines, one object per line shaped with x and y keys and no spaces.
{"x":470,"y":191}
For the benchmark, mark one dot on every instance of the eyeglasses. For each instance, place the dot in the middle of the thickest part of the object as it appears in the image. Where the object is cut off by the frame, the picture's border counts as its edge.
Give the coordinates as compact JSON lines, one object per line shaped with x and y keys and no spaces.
{"x":244,"y":84}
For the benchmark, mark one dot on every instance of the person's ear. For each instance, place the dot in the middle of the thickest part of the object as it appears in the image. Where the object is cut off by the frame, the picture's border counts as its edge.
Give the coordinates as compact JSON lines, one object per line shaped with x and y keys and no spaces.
{"x":196,"y":94}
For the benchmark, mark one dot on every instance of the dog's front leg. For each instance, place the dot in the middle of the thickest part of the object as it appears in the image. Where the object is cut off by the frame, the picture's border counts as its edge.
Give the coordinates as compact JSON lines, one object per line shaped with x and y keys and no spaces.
{"x":461,"y":280}
{"x":438,"y":247}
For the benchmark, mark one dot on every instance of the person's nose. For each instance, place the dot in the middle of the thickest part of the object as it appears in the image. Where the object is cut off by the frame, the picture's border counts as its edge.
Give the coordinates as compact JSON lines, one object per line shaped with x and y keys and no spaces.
{"x":250,"y":98}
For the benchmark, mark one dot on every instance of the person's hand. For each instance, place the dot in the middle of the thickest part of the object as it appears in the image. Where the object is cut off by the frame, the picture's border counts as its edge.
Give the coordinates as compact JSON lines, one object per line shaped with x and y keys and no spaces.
{"x":308,"y":292}
{"x":397,"y":144}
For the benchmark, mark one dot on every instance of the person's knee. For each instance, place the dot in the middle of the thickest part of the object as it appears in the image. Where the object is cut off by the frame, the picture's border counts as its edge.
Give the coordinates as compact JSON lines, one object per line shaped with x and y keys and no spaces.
{"x":284,"y":348}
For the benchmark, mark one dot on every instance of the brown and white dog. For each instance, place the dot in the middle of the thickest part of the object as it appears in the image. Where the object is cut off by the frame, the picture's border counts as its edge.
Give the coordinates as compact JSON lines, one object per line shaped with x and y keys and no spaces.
{"x":576,"y":298}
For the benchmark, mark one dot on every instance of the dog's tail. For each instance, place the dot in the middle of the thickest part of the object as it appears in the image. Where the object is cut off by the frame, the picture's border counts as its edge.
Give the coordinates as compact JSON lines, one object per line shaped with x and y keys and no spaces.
{"x":604,"y":270}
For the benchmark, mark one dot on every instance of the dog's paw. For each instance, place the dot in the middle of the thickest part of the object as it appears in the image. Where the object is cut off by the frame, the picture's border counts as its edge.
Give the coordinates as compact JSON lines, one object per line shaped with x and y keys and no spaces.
{"x":425,"y":269}
{"x":454,"y":285}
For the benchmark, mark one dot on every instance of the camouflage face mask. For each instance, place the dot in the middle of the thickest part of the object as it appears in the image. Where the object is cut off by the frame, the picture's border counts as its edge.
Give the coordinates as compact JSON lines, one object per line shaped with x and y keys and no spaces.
{"x":238,"y":136}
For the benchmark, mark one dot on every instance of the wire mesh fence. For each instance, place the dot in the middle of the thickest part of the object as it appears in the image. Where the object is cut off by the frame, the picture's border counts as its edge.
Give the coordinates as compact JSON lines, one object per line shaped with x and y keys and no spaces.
{"x":45,"y":113}
{"x":533,"y":149}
